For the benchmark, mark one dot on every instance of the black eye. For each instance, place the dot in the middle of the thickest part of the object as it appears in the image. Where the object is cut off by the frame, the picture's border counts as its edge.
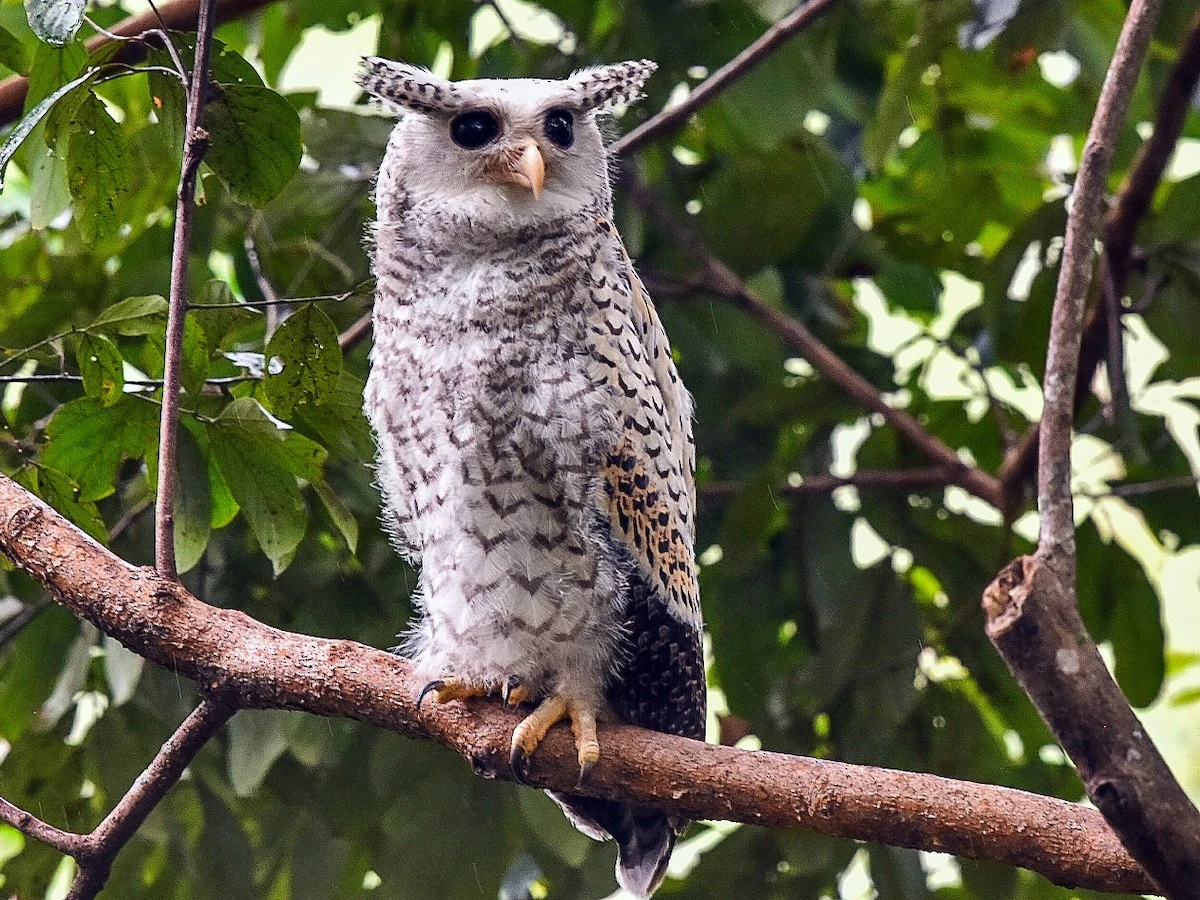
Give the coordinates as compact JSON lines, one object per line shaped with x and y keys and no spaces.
{"x":474,"y":129}
{"x":560,"y":127}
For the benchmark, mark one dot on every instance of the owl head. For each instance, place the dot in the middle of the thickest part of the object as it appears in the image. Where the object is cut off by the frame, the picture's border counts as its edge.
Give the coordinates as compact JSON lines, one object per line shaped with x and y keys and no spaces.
{"x":518,"y":148}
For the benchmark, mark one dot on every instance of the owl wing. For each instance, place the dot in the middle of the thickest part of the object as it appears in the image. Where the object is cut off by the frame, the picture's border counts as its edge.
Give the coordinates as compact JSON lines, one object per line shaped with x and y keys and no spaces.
{"x":648,"y":505}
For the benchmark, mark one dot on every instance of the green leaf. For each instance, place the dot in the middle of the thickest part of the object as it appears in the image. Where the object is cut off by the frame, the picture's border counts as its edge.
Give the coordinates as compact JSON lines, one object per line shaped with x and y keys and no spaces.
{"x":102,"y":368}
{"x":342,"y":517}
{"x":1136,"y":629}
{"x":193,"y":502}
{"x":306,"y":345}
{"x":88,"y":440}
{"x":339,"y":421}
{"x":55,"y":21}
{"x":194,"y":360}
{"x":13,"y":53}
{"x":122,"y":670}
{"x":257,"y":737}
{"x":64,"y":493}
{"x":98,"y":173}
{"x":31,"y":120}
{"x":255,"y":141}
{"x":133,"y":316}
{"x":249,"y":449}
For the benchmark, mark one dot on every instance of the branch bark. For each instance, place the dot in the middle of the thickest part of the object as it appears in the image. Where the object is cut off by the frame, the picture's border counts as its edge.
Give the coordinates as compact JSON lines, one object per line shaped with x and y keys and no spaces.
{"x":1032,"y":618}
{"x":721,"y":280}
{"x":181,"y":14}
{"x":195,"y":143}
{"x":253,"y":665}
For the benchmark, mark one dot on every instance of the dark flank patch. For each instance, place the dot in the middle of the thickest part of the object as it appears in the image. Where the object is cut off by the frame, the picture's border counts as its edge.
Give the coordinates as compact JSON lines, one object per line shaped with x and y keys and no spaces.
{"x":659,"y":681}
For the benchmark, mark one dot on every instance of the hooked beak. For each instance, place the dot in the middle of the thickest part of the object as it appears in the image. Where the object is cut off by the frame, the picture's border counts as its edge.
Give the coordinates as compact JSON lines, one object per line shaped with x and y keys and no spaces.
{"x":526,"y":167}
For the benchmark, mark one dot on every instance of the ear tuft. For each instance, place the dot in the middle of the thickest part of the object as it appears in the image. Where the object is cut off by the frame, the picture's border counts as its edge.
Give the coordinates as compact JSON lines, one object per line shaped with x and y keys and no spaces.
{"x":408,"y":86}
{"x":605,"y":86}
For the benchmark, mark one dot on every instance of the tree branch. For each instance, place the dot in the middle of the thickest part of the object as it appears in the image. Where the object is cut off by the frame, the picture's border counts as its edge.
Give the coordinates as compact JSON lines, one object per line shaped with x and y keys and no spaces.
{"x":195,"y":143}
{"x":254,"y":665}
{"x":96,"y":851}
{"x":1032,"y":616}
{"x":675,"y":117}
{"x":1120,"y":228}
{"x":181,"y":14}
{"x":721,"y":280}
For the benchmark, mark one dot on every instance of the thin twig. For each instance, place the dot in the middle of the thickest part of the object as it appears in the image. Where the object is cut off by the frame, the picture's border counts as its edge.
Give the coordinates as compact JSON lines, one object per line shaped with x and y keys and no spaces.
{"x":17,"y":623}
{"x":274,"y":313}
{"x":159,"y":33}
{"x":1121,"y":224}
{"x":722,"y":281}
{"x":181,"y":14}
{"x":28,"y":824}
{"x":195,"y":145}
{"x":1056,"y":543}
{"x":675,"y":117}
{"x":932,"y":477}
{"x":68,"y":378}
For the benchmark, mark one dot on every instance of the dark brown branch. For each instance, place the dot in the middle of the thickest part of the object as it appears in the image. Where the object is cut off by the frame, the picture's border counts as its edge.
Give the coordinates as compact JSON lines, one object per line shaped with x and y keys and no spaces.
{"x":257,"y":666}
{"x":1033,"y":622}
{"x":675,"y":117}
{"x":182,"y":14}
{"x":96,"y":851}
{"x":1120,"y":228}
{"x":101,"y":847}
{"x":28,"y":824}
{"x":721,"y":280}
{"x":195,"y":144}
{"x":1032,"y":617}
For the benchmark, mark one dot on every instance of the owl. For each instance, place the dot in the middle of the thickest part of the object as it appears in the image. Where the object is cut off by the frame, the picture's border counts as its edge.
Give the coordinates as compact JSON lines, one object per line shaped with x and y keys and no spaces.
{"x":535,"y":441}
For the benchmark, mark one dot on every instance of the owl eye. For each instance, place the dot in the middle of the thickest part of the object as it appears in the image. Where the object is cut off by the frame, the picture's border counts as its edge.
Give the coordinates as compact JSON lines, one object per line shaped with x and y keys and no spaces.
{"x":560,"y":127}
{"x":472,"y":130}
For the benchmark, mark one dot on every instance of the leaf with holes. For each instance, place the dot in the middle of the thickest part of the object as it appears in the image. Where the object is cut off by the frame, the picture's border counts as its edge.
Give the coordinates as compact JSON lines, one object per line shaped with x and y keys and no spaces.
{"x":306,"y":345}
{"x":254,"y":141}
{"x":102,"y":368}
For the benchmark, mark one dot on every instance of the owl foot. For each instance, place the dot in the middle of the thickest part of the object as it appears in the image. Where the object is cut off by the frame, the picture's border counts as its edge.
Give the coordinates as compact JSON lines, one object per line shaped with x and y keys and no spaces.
{"x":528,"y":735}
{"x":447,"y":689}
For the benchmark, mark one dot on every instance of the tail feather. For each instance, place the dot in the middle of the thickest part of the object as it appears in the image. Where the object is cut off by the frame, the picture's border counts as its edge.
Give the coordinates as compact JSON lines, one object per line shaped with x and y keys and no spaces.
{"x":645,"y":837}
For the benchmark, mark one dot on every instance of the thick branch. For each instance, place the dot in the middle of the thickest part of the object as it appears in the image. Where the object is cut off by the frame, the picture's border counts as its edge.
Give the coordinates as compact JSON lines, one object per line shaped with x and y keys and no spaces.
{"x":721,"y":280}
{"x":258,"y":666}
{"x":1031,"y":607}
{"x":182,"y":14}
{"x":195,"y":143}
{"x":1033,"y":622}
{"x":675,"y":117}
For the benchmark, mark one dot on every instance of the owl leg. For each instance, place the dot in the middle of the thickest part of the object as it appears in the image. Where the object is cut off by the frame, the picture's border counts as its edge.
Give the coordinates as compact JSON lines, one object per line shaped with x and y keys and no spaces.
{"x":529,"y":734}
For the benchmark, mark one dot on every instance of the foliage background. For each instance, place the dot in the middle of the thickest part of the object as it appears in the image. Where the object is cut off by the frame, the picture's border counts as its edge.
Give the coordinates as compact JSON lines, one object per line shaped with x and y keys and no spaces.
{"x":894,"y":178}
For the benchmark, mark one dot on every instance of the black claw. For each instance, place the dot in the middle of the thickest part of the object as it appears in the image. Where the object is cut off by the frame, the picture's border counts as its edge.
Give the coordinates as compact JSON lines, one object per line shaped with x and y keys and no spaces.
{"x":519,"y":762}
{"x":436,"y":685}
{"x":585,"y":770}
{"x":510,"y":684}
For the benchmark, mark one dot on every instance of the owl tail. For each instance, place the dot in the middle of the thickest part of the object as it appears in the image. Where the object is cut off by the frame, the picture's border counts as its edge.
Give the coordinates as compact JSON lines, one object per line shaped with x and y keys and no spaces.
{"x":645,"y":837}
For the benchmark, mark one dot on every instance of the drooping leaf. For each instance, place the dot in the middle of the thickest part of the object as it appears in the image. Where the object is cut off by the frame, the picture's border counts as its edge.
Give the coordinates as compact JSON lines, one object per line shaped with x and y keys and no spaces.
{"x":88,"y":440}
{"x":102,"y":368}
{"x":133,"y":316}
{"x":342,"y":517}
{"x":31,"y":120}
{"x":98,"y":171}
{"x":249,"y":448}
{"x":306,"y":348}
{"x":255,"y":141}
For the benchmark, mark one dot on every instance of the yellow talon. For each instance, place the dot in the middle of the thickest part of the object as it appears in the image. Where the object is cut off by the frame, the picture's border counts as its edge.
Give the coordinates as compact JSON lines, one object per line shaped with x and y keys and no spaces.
{"x":532,"y":729}
{"x":447,"y":689}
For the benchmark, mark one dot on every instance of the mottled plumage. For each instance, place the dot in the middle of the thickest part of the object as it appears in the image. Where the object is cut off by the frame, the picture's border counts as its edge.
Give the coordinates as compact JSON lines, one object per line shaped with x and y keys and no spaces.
{"x":535,"y":447}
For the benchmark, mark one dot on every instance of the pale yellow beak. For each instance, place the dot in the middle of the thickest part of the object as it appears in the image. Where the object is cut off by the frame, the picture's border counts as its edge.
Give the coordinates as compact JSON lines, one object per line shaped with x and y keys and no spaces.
{"x":527,"y":168}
